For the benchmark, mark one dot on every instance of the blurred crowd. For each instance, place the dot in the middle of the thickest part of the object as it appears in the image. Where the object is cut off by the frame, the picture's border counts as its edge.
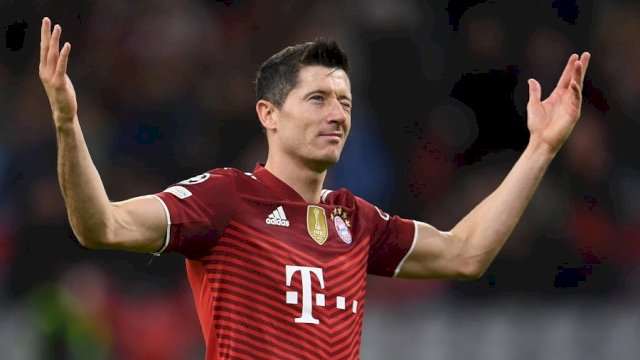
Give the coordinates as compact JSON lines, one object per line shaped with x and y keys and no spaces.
{"x":165,"y":92}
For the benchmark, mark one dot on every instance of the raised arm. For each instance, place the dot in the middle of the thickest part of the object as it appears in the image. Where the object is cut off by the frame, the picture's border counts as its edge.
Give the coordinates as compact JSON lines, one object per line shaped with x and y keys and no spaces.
{"x":137,"y":224}
{"x":468,"y":249}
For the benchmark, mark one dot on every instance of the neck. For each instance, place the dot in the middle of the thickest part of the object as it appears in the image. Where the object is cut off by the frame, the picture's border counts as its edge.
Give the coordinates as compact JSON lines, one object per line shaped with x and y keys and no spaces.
{"x":305,"y":180}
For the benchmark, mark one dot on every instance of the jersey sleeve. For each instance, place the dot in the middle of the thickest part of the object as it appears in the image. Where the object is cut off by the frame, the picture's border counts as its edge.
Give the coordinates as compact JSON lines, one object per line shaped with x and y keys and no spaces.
{"x":392,"y":239}
{"x":198,"y":210}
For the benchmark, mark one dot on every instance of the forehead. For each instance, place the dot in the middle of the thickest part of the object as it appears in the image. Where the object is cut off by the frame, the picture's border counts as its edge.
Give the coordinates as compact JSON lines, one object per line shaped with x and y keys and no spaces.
{"x":330,"y":79}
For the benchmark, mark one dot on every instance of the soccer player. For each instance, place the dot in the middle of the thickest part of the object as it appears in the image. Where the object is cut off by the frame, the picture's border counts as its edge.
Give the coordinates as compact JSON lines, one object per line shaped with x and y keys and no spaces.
{"x":278,"y":265}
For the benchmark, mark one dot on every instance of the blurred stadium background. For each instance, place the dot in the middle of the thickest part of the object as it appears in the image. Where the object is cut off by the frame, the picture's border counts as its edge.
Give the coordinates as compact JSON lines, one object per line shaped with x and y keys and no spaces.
{"x":165,"y":92}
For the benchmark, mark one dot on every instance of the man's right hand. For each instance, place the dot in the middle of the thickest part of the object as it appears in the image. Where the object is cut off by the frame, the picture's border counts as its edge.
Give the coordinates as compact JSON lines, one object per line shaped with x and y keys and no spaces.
{"x":53,"y":73}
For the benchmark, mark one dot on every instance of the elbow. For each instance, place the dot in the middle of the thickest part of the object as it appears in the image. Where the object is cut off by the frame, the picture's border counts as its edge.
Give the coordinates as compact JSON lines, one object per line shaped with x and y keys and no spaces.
{"x":470,"y":264}
{"x":90,"y":243}
{"x":92,"y":238}
{"x":471,"y":270}
{"x":472,"y":275}
{"x":95,"y":230}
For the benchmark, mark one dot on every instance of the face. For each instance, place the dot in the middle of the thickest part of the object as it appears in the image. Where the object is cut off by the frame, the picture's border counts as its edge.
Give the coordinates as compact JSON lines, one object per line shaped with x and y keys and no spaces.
{"x":314,"y":121}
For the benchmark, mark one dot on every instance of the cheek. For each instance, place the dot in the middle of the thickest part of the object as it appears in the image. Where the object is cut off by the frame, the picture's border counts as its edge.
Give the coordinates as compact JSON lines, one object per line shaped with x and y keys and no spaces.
{"x":298,"y":133}
{"x":302,"y":132}
{"x":295,"y":136}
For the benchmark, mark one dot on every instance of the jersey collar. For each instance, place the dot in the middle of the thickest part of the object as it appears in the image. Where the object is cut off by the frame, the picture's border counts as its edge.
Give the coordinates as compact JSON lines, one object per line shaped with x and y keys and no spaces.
{"x":272,"y":182}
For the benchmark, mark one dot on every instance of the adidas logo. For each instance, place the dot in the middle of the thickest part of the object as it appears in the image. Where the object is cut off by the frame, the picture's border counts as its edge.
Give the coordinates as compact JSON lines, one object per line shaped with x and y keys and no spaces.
{"x":277,"y":217}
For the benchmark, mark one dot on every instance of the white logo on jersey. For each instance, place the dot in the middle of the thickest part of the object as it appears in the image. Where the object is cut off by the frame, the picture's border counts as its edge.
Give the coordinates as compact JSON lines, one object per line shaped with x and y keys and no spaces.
{"x":179,"y":191}
{"x":277,"y":217}
{"x":306,"y":316}
{"x":196,"y":179}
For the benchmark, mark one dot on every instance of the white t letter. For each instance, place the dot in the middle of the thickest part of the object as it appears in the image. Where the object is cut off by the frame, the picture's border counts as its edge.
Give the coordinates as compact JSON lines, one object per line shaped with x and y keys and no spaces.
{"x":307,"y":295}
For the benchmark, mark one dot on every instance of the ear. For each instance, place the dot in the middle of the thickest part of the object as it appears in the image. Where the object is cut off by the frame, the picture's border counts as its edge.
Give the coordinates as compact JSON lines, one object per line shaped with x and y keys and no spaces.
{"x":267,"y":114}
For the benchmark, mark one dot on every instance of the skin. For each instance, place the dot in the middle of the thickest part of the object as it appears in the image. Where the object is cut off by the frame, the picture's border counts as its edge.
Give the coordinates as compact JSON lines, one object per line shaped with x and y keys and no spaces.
{"x":306,"y":136}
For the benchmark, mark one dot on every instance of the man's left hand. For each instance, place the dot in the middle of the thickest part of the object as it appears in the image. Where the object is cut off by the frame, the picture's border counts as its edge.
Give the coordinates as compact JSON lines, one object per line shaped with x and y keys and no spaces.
{"x":551,"y":121}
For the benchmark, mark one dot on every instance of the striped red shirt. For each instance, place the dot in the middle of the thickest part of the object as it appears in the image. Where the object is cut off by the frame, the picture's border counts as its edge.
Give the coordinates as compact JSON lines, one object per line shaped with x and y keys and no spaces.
{"x":275,"y":277}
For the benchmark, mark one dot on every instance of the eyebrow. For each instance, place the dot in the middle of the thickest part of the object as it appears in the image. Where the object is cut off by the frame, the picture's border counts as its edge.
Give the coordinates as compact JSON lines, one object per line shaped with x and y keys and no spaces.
{"x":326,"y":93}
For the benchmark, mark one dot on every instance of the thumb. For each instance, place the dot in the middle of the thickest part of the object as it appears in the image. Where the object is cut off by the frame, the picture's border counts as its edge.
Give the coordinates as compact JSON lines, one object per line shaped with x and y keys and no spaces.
{"x":534,"y":91}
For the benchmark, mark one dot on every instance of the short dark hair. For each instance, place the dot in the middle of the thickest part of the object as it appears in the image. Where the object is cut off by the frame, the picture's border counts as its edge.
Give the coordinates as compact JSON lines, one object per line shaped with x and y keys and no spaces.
{"x":279,"y":74}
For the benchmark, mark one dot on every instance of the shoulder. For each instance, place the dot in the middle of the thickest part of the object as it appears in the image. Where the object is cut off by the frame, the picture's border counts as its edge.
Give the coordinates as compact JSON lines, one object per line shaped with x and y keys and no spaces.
{"x":339,"y":196}
{"x":344,"y":197}
{"x":217,"y":180}
{"x":214,"y":176}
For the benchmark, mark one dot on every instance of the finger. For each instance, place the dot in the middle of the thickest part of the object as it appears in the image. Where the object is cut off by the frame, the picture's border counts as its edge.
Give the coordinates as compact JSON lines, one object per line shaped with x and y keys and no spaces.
{"x":584,"y":59}
{"x":565,"y":78}
{"x":54,"y":46}
{"x":577,"y":72}
{"x":576,"y":89}
{"x":45,"y":36}
{"x":534,"y":91}
{"x":61,"y":69}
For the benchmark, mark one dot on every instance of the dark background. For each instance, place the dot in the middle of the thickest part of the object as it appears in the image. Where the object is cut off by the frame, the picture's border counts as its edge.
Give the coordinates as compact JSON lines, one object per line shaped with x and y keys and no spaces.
{"x":165,"y":92}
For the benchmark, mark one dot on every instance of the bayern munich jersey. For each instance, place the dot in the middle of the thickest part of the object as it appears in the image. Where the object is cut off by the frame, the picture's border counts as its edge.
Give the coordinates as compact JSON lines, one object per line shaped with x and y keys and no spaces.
{"x":275,"y":277}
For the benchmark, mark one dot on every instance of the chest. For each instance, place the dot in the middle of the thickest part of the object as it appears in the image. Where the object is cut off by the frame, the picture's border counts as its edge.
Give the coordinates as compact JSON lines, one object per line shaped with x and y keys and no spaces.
{"x":322,"y":232}
{"x":296,"y":256}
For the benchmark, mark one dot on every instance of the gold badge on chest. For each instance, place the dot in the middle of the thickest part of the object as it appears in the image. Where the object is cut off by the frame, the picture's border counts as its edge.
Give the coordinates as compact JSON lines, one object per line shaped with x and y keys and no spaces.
{"x":317,"y":224}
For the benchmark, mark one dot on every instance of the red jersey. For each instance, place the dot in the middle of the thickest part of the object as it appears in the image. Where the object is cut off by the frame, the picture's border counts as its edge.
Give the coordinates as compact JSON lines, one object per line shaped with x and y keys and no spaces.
{"x":275,"y":277}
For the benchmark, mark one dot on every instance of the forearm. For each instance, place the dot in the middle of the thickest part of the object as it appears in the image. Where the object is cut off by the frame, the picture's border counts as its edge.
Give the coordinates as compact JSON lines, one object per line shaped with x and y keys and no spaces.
{"x":88,"y":206}
{"x":486,"y":228}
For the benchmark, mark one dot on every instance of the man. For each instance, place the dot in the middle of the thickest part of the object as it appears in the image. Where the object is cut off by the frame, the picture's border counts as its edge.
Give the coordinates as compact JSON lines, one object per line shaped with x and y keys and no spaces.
{"x":276,"y":264}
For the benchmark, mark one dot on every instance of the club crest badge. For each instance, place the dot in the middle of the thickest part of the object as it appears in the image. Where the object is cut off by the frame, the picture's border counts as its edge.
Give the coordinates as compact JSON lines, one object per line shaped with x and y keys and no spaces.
{"x":317,"y":224}
{"x":341,"y":221}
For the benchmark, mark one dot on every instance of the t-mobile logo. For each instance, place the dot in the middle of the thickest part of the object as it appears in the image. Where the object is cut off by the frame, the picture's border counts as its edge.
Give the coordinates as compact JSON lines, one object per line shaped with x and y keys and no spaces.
{"x":306,"y":316}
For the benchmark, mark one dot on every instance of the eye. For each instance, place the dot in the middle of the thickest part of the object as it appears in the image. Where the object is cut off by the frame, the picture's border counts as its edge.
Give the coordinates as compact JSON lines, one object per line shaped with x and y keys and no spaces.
{"x":317,"y":98}
{"x":346,"y":107}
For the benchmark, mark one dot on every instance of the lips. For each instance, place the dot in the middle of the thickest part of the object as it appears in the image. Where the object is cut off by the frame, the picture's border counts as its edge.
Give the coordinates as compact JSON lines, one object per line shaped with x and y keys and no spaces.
{"x":336,"y":134}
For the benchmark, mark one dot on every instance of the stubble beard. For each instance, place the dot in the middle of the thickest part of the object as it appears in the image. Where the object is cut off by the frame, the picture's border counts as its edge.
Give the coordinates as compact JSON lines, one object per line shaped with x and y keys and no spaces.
{"x":325,"y":160}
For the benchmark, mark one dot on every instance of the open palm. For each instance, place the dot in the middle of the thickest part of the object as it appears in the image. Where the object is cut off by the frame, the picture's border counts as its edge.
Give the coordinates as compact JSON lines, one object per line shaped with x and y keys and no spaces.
{"x":53,"y":73}
{"x":552,"y":120}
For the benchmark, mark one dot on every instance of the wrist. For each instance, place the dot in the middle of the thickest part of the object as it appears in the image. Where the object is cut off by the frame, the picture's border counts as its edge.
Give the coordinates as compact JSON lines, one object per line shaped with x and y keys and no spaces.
{"x":541,"y":149}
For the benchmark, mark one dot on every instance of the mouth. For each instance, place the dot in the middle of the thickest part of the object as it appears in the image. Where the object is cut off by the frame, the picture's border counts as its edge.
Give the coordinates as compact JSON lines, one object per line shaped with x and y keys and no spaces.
{"x":333,"y":135}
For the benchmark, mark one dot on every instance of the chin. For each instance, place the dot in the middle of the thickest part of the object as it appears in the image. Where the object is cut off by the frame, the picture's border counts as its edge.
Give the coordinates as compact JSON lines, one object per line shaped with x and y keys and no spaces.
{"x":324,"y":162}
{"x":332,"y":157}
